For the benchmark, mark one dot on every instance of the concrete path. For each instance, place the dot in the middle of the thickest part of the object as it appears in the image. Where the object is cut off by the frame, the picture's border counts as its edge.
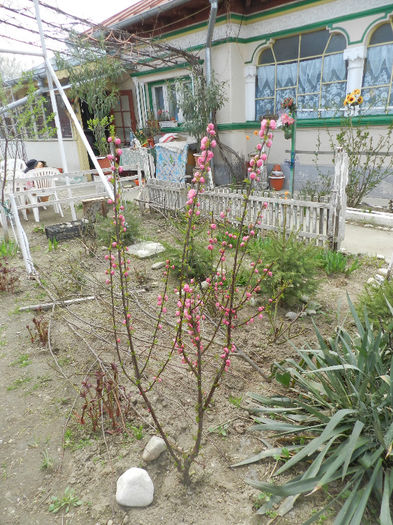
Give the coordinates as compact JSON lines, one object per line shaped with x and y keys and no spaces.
{"x":371,"y":241}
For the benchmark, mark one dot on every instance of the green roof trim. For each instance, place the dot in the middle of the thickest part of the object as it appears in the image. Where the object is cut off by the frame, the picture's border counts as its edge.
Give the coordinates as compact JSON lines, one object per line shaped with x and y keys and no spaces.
{"x":370,"y":120}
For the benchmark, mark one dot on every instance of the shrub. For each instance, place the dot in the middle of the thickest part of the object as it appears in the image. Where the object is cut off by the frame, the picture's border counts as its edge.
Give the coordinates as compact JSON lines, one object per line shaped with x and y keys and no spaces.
{"x":375,"y":299}
{"x":339,"y":411}
{"x":104,"y":226}
{"x":295,"y":266}
{"x":8,"y":277}
{"x":198,"y":264}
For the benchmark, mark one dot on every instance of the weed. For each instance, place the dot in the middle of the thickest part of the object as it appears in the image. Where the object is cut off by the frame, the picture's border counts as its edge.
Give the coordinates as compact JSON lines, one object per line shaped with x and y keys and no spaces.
{"x":136,"y":431}
{"x":235,"y":401}
{"x":39,"y":229}
{"x":221,"y":429}
{"x":40,"y":330}
{"x":71,"y":442}
{"x":47,"y":461}
{"x":8,"y":277}
{"x":22,"y":361}
{"x":8,"y":248}
{"x":18,"y":383}
{"x":67,"y":501}
{"x":375,"y":299}
{"x":104,"y":226}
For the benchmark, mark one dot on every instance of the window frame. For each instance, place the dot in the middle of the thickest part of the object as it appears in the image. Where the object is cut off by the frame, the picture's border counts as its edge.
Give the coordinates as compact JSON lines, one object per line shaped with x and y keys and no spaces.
{"x":166,"y":84}
{"x":388,"y":108}
{"x":302,"y":114}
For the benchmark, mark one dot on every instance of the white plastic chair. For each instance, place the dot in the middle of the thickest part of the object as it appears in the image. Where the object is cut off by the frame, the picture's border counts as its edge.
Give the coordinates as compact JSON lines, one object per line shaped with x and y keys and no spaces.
{"x":14,"y":185}
{"x":44,"y":186}
{"x":19,"y":165}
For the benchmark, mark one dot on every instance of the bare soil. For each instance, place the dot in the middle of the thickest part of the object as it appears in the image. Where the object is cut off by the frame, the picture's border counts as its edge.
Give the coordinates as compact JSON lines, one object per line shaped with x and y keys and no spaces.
{"x":43,"y":448}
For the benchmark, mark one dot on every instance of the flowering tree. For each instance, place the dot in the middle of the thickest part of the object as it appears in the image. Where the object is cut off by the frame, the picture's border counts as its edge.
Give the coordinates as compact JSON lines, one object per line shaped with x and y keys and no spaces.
{"x":196,"y":324}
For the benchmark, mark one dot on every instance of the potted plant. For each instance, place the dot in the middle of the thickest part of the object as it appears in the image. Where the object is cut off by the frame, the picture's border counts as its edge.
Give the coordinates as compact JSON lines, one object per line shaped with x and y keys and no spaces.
{"x":151,"y":128}
{"x":165,"y":120}
{"x":277,"y":178}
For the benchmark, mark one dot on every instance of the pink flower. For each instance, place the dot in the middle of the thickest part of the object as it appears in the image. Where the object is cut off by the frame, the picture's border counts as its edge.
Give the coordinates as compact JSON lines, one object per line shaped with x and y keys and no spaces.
{"x":253,"y":175}
{"x":273,"y":124}
{"x":213,"y":226}
{"x":110,"y":156}
{"x":109,"y":139}
{"x":120,"y":168}
{"x":119,"y":151}
{"x":263,"y":156}
{"x":117,"y":141}
{"x":114,"y":244}
{"x":213,"y":143}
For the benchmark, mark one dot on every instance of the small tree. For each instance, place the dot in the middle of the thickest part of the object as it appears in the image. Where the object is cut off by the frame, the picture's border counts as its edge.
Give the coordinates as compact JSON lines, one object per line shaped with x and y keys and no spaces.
{"x":200,"y":102}
{"x":92,"y":74}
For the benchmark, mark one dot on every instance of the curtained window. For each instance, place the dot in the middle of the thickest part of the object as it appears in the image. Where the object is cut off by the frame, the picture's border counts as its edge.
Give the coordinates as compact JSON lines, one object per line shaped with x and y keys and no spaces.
{"x":309,"y":68}
{"x":378,"y":71}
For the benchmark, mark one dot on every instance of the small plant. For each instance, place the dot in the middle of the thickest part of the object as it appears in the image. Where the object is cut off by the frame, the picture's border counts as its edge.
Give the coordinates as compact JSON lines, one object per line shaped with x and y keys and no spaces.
{"x":8,"y":248}
{"x":221,"y":430}
{"x":337,"y":262}
{"x":376,"y":299}
{"x":137,"y":432}
{"x":294,"y":266}
{"x":40,"y":330}
{"x":8,"y":277}
{"x":235,"y":401}
{"x":107,"y":398}
{"x":339,"y":399}
{"x":22,"y":361}
{"x":52,"y":244}
{"x":65,"y":503}
{"x":18,"y":383}
{"x":47,"y":461}
{"x":104,"y":226}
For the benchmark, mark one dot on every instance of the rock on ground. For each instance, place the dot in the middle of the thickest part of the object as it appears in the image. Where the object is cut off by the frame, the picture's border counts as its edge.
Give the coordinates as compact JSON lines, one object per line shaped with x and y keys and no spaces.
{"x":143,"y":250}
{"x":134,"y":488}
{"x":153,"y":449}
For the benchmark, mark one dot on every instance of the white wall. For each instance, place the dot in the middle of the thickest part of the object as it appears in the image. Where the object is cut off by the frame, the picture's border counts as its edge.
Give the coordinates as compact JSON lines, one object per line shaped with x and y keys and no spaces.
{"x":48,"y":150}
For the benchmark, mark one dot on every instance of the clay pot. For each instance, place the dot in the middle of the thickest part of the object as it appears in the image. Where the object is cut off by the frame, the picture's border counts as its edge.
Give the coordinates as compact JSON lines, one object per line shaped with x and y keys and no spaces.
{"x":277,"y":167}
{"x":104,"y":162}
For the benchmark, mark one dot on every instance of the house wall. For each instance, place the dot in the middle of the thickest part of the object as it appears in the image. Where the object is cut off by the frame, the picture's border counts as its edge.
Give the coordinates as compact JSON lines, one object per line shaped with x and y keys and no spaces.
{"x":48,"y":150}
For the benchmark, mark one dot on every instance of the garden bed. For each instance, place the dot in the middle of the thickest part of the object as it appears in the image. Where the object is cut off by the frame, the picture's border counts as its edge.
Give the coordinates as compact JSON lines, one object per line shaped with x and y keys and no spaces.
{"x":44,"y":450}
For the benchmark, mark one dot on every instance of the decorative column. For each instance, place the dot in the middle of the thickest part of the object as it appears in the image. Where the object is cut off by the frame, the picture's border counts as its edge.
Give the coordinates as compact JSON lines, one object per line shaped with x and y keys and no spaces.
{"x":250,"y":73}
{"x":355,"y":55}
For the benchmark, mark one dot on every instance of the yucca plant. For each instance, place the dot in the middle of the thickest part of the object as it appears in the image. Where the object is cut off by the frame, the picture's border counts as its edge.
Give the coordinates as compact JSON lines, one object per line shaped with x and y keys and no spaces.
{"x":339,"y":413}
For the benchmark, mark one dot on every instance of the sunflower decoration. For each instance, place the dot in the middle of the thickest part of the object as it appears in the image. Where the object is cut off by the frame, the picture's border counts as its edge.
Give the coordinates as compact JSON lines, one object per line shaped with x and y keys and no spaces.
{"x":353,"y":99}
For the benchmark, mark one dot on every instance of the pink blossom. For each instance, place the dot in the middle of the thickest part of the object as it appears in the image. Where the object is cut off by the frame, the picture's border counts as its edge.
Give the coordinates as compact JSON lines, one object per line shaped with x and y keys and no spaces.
{"x":119,"y":151}
{"x":213,"y":226}
{"x":110,"y":156}
{"x":120,"y":168}
{"x":263,"y":156}
{"x":114,"y":244}
{"x":109,"y":139}
{"x":269,"y":143}
{"x":273,"y":124}
{"x":117,"y":141}
{"x":213,"y":143}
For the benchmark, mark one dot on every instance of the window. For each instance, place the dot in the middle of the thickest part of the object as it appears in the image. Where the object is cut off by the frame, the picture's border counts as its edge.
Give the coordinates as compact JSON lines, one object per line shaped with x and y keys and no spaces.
{"x":377,"y":78}
{"x":309,"y":68}
{"x":165,"y":99}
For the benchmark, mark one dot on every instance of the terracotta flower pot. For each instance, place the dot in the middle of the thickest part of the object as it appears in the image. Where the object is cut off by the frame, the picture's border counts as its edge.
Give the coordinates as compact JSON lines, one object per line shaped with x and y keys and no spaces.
{"x":277,"y":182}
{"x":104,"y":162}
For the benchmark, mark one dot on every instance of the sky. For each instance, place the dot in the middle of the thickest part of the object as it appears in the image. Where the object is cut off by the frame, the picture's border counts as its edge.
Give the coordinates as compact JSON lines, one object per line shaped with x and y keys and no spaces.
{"x":92,"y":10}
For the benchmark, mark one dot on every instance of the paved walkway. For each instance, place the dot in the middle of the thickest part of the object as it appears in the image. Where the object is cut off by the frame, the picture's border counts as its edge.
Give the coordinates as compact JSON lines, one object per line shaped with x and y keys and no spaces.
{"x":371,"y":241}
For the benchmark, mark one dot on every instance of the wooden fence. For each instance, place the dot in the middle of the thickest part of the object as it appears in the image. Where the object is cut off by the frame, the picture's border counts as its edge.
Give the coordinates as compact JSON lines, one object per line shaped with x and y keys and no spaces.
{"x":320,"y":222}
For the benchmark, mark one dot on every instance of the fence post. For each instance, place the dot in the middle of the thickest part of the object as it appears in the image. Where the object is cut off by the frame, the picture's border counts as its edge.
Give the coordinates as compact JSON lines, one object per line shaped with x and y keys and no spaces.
{"x":339,"y":199}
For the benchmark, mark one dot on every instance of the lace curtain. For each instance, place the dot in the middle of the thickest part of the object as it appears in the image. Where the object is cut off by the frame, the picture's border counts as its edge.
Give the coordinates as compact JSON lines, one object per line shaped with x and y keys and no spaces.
{"x":377,"y":80}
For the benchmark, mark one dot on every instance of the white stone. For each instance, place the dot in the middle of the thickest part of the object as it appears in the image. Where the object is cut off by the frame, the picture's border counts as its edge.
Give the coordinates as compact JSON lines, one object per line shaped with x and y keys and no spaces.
{"x":381,"y":257}
{"x":379,"y":278}
{"x":158,"y":265}
{"x":204,"y":285}
{"x":146,"y":249}
{"x":291,"y":316}
{"x":134,"y":488}
{"x":372,"y":282}
{"x":383,"y":272}
{"x":153,"y":449}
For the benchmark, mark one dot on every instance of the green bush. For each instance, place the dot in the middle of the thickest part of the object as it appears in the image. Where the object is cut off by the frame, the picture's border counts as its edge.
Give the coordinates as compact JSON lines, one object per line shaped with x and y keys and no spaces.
{"x":294,"y":266}
{"x":199,"y":261}
{"x":338,"y":410}
{"x":105,"y":231}
{"x":374,"y":299}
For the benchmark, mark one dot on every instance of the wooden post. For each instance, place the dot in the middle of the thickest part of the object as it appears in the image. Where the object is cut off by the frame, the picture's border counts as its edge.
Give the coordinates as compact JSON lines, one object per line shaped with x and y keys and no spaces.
{"x":339,"y":199}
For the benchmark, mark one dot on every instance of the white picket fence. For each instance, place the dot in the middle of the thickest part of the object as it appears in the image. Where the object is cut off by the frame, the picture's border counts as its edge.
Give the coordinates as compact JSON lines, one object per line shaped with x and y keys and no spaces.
{"x":319,"y":222}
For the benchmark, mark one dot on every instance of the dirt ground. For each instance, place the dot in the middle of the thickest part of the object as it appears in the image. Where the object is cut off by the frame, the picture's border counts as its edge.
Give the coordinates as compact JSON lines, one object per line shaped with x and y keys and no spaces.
{"x":44,"y":450}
